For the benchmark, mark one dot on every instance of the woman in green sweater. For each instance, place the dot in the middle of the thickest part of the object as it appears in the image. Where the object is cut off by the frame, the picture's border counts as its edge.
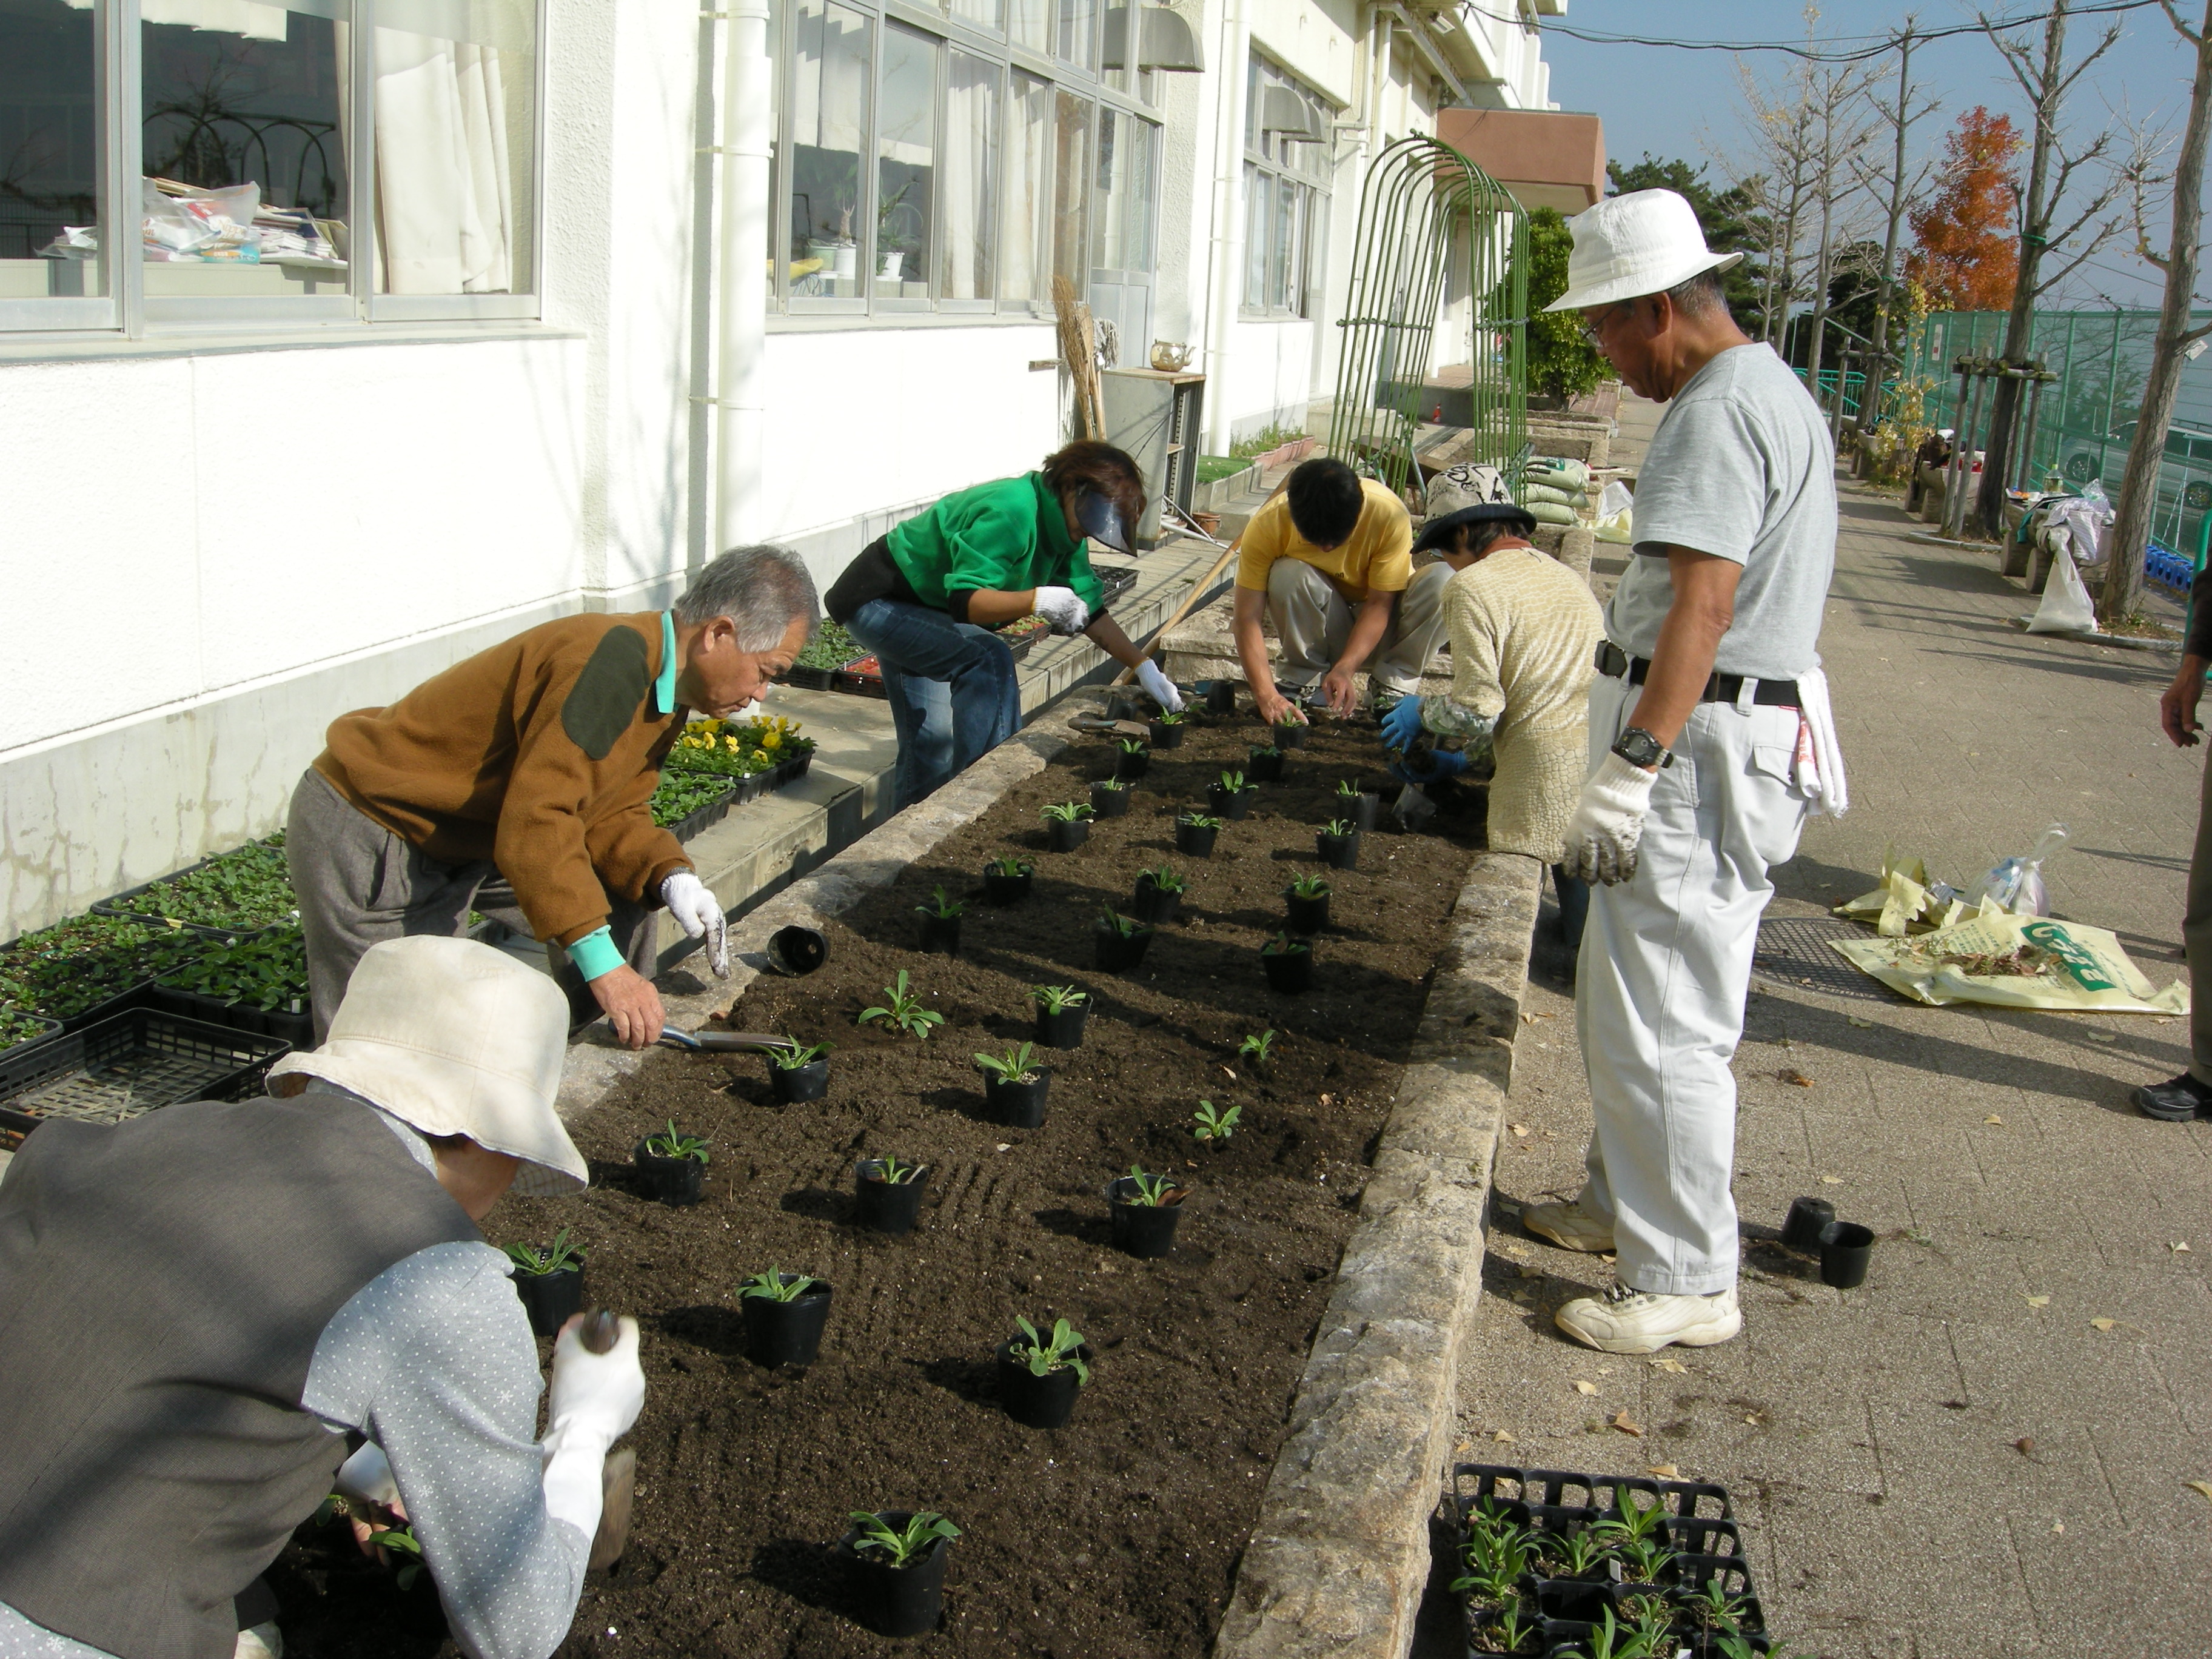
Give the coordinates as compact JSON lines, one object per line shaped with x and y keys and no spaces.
{"x":926,"y":597}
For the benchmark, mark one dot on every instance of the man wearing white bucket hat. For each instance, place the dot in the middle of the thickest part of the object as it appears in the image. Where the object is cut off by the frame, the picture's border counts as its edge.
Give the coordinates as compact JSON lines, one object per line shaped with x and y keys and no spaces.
{"x":1710,"y":741}
{"x":197,"y":1306}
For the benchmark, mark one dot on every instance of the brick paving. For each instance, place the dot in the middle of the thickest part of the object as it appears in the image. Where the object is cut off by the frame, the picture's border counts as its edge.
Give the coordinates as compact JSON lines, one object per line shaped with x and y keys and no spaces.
{"x":1953,"y":1461}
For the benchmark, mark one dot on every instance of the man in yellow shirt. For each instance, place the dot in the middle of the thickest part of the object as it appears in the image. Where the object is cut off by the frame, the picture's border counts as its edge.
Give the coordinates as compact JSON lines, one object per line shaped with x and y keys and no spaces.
{"x":1331,"y":561}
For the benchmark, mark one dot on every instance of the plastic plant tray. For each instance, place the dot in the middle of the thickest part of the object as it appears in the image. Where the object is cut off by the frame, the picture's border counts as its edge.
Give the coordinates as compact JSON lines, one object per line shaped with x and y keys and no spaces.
{"x":113,"y":907}
{"x":861,"y":677}
{"x":49,"y":1029}
{"x":295,"y":1030}
{"x":130,"y":1065}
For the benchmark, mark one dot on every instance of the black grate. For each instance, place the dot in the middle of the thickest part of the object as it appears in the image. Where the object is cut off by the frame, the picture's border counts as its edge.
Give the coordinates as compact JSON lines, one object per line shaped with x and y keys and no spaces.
{"x":1795,"y":951}
{"x":131,"y":1064}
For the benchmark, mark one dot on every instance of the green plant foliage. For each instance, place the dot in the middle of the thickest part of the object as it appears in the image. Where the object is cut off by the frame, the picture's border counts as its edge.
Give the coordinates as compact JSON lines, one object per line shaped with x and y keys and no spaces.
{"x":896,"y":1174}
{"x":794,"y":1056}
{"x":1200,"y":821}
{"x":1010,"y":866}
{"x":1153,"y":1192}
{"x":1284,"y":945}
{"x":682,"y":794}
{"x":1066,"y":812}
{"x":673,"y":1143}
{"x":1271,"y":436}
{"x":1347,"y":790}
{"x":1163,"y":878}
{"x":244,"y":889}
{"x":1561,"y":363}
{"x":1112,"y":921}
{"x":563,"y":1252}
{"x":1057,"y":999}
{"x":942,"y":905}
{"x":777,"y":1286}
{"x":1255,"y":1048}
{"x":16,"y":1026}
{"x":1209,"y":1125}
{"x":1057,"y":1352}
{"x":1232,"y":782}
{"x":1133,"y":747}
{"x":1013,"y":1066}
{"x":267,"y":971}
{"x":61,"y":971}
{"x":904,"y":1010}
{"x":901,"y":1547}
{"x":1313,"y":887}
{"x":832,"y":647}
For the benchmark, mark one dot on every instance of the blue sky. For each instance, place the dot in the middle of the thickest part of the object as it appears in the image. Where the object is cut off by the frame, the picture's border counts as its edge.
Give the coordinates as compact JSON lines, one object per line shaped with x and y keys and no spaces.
{"x":1673,"y":102}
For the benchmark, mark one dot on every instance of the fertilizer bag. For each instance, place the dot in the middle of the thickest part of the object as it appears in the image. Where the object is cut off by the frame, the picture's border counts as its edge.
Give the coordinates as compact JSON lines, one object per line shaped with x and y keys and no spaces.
{"x":2016,"y":962}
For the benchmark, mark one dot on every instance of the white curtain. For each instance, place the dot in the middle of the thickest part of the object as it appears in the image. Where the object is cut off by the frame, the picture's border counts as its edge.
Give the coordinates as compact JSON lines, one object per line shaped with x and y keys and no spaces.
{"x":1022,"y":274}
{"x":445,"y":192}
{"x":970,"y":177}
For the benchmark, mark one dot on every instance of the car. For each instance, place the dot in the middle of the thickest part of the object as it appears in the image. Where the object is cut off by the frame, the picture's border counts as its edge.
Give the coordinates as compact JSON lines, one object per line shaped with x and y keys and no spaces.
{"x":2185,"y":475}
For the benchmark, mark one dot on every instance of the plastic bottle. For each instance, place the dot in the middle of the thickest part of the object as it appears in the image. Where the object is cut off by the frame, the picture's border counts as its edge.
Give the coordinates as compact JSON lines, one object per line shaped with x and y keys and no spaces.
{"x":2017,"y":883}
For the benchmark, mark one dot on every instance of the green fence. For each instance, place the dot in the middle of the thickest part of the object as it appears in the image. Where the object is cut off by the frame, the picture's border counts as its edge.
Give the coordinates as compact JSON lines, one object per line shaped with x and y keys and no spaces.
{"x":2086,"y":422}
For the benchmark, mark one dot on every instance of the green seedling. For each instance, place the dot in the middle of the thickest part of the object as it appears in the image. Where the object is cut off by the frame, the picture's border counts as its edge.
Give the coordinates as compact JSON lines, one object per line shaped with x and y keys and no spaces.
{"x":671,"y":1143}
{"x":1200,"y":821}
{"x":1311,"y":887}
{"x":1166,"y":719}
{"x":403,"y":1539}
{"x":1484,"y":1584}
{"x":1209,"y":1125}
{"x":777,"y":1286}
{"x":1499,"y":1548}
{"x":1578,"y":1554}
{"x":1630,"y":1522}
{"x":1116,"y":784}
{"x":1057,"y":1352}
{"x":1346,"y":789}
{"x":1284,"y":945}
{"x":562,"y":1253}
{"x":1057,"y":999}
{"x":907,"y":1544}
{"x":1133,"y":746}
{"x":1652,"y":1619}
{"x":383,"y":1532}
{"x":1643,"y":1559}
{"x":1122,"y":926}
{"x":1153,"y":1192}
{"x":1066,"y":812}
{"x":1233,"y":782}
{"x":1291,"y":717}
{"x":1010,"y":866}
{"x":905,"y":1010}
{"x":1163,"y":878}
{"x":793,"y":1056}
{"x":1013,"y":1066}
{"x":1714,"y":1607}
{"x":895,"y":1174}
{"x":942,"y":905}
{"x":1264,"y":751}
{"x":1341,"y":827}
{"x":1611,"y":1639}
{"x":1508,"y":1629}
{"x":1256,"y":1046}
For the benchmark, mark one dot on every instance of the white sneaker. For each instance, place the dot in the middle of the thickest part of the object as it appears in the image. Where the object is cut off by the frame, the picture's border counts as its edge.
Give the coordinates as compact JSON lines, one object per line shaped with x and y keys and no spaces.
{"x":1625,"y":1321}
{"x":1569,"y":1226}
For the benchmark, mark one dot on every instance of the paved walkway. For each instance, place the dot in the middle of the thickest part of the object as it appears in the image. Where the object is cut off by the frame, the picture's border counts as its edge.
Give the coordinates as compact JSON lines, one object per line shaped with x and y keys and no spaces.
{"x":1987,"y":1451}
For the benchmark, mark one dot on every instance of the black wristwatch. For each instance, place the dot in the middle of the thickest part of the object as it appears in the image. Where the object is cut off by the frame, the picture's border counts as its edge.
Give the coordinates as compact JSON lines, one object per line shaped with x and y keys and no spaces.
{"x":1639,"y":748}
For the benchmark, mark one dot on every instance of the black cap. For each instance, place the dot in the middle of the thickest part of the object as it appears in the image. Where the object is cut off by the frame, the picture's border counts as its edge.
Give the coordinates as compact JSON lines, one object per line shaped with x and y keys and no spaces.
{"x":1437,"y":531}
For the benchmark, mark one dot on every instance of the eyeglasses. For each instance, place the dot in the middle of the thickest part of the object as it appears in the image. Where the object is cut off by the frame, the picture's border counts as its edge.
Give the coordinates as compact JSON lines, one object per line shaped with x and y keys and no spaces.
{"x":1594,"y":333}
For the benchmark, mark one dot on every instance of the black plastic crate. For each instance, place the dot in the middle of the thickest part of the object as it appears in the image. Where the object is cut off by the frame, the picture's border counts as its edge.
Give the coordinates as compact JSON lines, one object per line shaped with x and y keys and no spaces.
{"x":131,"y":1065}
{"x":863,"y":677}
{"x":1114,"y":581}
{"x":295,"y":1029}
{"x":47,"y":1032}
{"x":806,"y":679}
{"x":705,"y":817}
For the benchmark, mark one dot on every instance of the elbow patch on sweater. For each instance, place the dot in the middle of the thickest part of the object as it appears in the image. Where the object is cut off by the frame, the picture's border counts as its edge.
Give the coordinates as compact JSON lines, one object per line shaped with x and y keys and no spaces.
{"x":608,"y":694}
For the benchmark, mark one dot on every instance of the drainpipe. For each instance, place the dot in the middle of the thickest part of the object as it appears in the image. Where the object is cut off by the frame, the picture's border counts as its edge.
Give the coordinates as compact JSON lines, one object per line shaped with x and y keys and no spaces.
{"x":1227,"y":249}
{"x":741,"y":323}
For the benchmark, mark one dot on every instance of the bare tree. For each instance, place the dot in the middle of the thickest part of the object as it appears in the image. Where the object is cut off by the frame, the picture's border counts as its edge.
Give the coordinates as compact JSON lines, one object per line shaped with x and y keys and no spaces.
{"x":2044,"y":77}
{"x":1833,"y":92}
{"x":1777,"y":192}
{"x":2139,"y":485}
{"x":1897,"y":185}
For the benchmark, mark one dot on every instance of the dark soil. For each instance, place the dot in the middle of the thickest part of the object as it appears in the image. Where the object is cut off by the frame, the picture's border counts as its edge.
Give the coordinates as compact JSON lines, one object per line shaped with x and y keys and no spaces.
{"x":1118,"y":1537}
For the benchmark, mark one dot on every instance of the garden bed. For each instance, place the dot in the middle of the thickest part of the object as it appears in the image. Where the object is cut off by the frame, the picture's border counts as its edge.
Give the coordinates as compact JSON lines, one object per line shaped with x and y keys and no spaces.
{"x":1119,"y":1535}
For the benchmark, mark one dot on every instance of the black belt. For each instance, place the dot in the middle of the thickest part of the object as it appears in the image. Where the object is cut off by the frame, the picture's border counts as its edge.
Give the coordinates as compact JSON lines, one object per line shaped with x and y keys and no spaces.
{"x":1612,"y":662}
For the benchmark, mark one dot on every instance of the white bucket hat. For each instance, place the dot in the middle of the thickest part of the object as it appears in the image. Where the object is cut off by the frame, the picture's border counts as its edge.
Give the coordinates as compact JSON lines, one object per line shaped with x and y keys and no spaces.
{"x":1627,"y":247}
{"x":456,"y":1038}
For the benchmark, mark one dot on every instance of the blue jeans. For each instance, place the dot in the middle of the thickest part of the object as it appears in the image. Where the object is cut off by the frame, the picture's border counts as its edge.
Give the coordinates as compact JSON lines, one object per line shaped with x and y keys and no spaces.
{"x":952,"y":689}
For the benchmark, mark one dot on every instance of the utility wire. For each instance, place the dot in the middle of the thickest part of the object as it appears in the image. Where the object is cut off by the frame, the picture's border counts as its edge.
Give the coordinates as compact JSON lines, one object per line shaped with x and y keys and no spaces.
{"x":1876,"y":45}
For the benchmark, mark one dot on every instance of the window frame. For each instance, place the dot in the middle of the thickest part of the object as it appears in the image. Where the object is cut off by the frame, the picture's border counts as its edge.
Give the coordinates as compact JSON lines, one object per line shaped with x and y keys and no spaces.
{"x":1269,"y":161}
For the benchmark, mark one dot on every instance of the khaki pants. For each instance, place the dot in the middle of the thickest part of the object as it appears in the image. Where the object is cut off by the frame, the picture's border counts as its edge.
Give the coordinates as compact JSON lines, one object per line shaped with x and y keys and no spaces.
{"x":2196,"y":939}
{"x":1312,"y":622}
{"x":359,"y":884}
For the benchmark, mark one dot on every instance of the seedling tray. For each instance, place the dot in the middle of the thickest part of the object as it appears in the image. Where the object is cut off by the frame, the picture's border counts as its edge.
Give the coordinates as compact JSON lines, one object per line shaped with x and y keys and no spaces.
{"x":706,"y":817}
{"x":130,"y":1065}
{"x":740,"y":791}
{"x":47,"y":1031}
{"x":861,"y":677}
{"x":114,"y":907}
{"x":293,"y":1030}
{"x":1113,"y":583}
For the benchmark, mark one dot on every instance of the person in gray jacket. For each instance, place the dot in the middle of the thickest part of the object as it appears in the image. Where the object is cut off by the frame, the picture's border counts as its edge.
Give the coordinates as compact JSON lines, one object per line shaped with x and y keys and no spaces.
{"x":200,"y":1306}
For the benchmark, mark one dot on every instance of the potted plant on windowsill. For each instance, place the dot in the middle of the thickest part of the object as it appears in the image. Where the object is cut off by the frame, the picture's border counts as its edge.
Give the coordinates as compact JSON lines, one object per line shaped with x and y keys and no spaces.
{"x":1145,"y":1209}
{"x":1158,"y":897}
{"x":1120,"y":941}
{"x":784,"y":1313}
{"x":549,"y":1279}
{"x":896,"y":1560}
{"x":1133,"y":758}
{"x":671,"y":1166}
{"x":1231,"y":798}
{"x":1013,"y":1089}
{"x":941,"y":923}
{"x":1338,"y":844}
{"x":1288,"y":961}
{"x":1169,"y":730}
{"x":1195,"y":834}
{"x":887,"y":1193}
{"x":1039,"y":1375}
{"x":1362,"y":807}
{"x":1007,"y":880}
{"x":1109,"y":797}
{"x":1263,"y":763}
{"x":798,"y":1072}
{"x":1061,"y":1010}
{"x":1307,"y":900}
{"x":1067,"y":825}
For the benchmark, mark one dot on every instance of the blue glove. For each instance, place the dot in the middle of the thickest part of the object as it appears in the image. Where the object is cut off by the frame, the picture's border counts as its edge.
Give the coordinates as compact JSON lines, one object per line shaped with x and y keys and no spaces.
{"x":1402,"y":724}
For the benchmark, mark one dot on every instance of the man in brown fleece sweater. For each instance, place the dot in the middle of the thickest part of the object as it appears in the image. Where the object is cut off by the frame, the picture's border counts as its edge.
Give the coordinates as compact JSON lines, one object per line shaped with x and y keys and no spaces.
{"x":522,"y":777}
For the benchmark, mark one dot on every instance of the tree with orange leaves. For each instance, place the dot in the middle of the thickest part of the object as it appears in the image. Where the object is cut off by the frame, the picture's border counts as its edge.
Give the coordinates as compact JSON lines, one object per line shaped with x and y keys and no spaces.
{"x":1966,"y":254}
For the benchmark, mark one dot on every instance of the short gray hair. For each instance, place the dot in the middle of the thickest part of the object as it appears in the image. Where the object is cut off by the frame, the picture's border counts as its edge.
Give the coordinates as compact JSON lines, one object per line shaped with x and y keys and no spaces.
{"x":762,"y":590}
{"x":1700,"y":295}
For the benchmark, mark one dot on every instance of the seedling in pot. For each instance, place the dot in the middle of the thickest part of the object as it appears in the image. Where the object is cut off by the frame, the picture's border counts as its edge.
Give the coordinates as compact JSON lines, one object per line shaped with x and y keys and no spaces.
{"x":1233,"y":782}
{"x":942,"y":906}
{"x":898,"y":1563}
{"x":1066,"y":812}
{"x":1057,"y":999}
{"x":549,"y":1280}
{"x":1014,"y":1088}
{"x":1307,"y":900}
{"x":799,"y":1071}
{"x":1158,"y":895}
{"x":1163,"y":878}
{"x":1164,"y":718}
{"x":1044,"y":1355}
{"x":1713,"y":1608}
{"x":796,"y":1057}
{"x":1230,"y":798}
{"x":901,"y":1547}
{"x":1009,"y":866}
{"x":401,"y":1538}
{"x":905,"y":1010}
{"x":1338,"y":844}
{"x":1061,"y":1010}
{"x":671,"y":1166}
{"x":777,"y":1286}
{"x":1120,"y":941}
{"x":1195,"y":834}
{"x":887,"y":1195}
{"x":1265,"y":763}
{"x":1508,"y":1632}
{"x":1109,"y":797}
{"x":1007,"y":880}
{"x":563,"y":1255}
{"x":1210,"y":1125}
{"x":1067,"y":824}
{"x":890,"y":1170}
{"x":1631,"y":1522}
{"x":1643,"y":1560}
{"x":673,"y":1142}
{"x":1144,"y":1210}
{"x":1609,"y":1639}
{"x":1133,"y":758}
{"x":941,"y":923}
{"x":1013,"y":1066}
{"x":1578,"y":1554}
{"x":1153,"y":1192}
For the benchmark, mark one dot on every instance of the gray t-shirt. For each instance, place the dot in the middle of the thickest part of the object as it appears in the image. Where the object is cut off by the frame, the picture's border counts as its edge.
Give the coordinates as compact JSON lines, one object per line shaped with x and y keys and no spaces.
{"x":1742,"y":468}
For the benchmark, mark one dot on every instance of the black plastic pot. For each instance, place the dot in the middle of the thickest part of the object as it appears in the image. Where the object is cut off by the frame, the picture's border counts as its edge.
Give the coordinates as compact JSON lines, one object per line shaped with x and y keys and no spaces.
{"x":550,"y":1299}
{"x":1145,"y":1231}
{"x":1110,"y":800}
{"x":1287,"y":971}
{"x":1119,"y":952}
{"x":1001,"y":888}
{"x":1155,"y":904}
{"x":1018,"y":1105}
{"x":940,"y":935}
{"x":892,"y":1601}
{"x":1807,"y":1216}
{"x":1039,"y":1402}
{"x":1195,"y":839}
{"x":1289,"y":734}
{"x":1338,"y":852}
{"x":795,"y":951}
{"x":1264,"y":766}
{"x":1365,"y":810}
{"x":1128,"y":767}
{"x":1221,"y":698}
{"x":1307,"y":915}
{"x":888,"y":1206}
{"x":1065,"y":837}
{"x":1168,"y":736}
{"x":1845,"y":1249}
{"x":796,"y":1085}
{"x":1232,"y":805}
{"x":671,"y":1180}
{"x":1063,"y":1029}
{"x":786,"y":1332}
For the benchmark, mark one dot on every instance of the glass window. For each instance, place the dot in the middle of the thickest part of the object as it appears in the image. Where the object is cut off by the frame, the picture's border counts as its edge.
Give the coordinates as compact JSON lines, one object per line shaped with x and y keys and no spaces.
{"x":1032,"y":24}
{"x":51,"y":152}
{"x":1078,"y":33}
{"x":456,"y":96}
{"x":984,"y":14}
{"x":1143,"y":141}
{"x":829,"y":116}
{"x":1024,"y":251}
{"x":1071,"y":194}
{"x":1316,"y":255}
{"x":905,"y":166}
{"x":971,"y":179}
{"x":1283,"y":255}
{"x":1282,"y":207}
{"x":1121,"y":237}
{"x":242,"y":109}
{"x":1259,"y":197}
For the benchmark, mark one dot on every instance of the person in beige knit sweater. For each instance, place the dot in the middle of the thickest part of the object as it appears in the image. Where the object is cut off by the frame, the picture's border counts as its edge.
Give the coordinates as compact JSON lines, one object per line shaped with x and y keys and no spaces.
{"x":1524,"y":630}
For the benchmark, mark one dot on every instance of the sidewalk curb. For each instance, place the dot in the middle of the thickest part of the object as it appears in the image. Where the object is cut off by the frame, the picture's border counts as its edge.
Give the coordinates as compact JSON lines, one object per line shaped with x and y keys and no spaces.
{"x":1339,"y":1558}
{"x":2118,"y":641}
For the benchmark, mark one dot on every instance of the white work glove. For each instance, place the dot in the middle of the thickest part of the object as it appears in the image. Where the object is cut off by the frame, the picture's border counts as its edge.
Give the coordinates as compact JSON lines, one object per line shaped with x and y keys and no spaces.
{"x":1158,"y":687}
{"x":1608,"y":822}
{"x":696,"y":913}
{"x":1063,"y":608}
{"x":367,"y":1475}
{"x":594,"y":1398}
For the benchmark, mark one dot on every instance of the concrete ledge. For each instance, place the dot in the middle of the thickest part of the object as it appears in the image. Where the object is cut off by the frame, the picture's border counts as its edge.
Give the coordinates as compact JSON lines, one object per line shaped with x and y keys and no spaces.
{"x":1338,"y":1562}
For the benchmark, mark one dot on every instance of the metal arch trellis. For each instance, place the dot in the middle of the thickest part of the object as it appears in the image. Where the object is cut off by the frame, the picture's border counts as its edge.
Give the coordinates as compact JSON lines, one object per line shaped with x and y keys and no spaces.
{"x":1421,"y":203}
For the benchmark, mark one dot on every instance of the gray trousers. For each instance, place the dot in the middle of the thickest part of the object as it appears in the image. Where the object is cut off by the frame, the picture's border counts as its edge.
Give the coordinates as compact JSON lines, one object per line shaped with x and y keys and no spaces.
{"x":2196,"y":939}
{"x":358,"y":885}
{"x":1312,"y":622}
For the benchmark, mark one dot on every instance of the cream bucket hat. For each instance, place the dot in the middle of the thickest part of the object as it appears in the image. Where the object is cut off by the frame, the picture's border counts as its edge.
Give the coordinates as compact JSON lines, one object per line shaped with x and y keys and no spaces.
{"x":1626,"y":247}
{"x":456,"y":1038}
